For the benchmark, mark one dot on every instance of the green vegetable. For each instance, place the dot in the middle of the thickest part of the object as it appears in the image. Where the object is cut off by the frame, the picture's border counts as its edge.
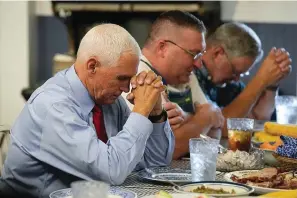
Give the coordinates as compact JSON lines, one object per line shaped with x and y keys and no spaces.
{"x":207,"y":190}
{"x":163,"y":194}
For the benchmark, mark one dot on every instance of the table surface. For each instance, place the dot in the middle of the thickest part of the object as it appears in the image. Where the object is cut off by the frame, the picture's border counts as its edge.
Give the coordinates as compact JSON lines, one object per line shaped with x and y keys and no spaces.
{"x":144,"y":188}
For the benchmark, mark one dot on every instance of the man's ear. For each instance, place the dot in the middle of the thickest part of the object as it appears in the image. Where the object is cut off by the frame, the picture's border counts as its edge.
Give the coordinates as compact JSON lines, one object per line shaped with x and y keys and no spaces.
{"x":218,"y":50}
{"x":161,"y":48}
{"x":92,"y":65}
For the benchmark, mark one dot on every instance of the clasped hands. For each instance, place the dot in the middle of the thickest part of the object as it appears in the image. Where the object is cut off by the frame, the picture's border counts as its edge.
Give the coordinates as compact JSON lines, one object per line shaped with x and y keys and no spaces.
{"x":275,"y":67}
{"x":146,"y":93}
{"x":148,"y":97}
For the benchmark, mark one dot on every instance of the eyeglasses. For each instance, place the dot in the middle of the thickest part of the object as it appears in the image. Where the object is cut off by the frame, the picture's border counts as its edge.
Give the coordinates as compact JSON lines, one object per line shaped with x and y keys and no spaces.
{"x":233,"y":69}
{"x":195,"y":56}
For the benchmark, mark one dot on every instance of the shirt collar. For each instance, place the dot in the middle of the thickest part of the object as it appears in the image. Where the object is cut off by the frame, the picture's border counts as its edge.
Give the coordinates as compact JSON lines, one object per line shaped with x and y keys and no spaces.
{"x":142,"y":57}
{"x":205,"y":74}
{"x":79,"y":91}
{"x":147,"y":62}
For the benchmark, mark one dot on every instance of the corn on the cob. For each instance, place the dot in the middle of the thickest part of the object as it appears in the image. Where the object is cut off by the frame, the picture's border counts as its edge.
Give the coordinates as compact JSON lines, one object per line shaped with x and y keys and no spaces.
{"x":281,"y":194}
{"x":280,"y":129}
{"x":262,"y":136}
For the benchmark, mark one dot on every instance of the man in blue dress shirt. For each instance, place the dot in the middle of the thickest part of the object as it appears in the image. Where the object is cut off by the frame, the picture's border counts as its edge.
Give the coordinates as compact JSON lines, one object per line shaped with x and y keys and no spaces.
{"x":54,"y":140}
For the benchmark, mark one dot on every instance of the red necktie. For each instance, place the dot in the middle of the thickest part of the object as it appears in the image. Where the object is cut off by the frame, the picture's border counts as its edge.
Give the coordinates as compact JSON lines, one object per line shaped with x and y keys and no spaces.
{"x":99,"y":124}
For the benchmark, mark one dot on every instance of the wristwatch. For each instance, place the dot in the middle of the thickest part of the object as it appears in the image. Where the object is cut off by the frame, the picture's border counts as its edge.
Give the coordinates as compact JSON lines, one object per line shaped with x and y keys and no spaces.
{"x":273,"y":88}
{"x":156,"y":118}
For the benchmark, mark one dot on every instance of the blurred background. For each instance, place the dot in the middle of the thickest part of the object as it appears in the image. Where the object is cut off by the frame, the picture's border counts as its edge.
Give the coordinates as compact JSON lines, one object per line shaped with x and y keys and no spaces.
{"x":39,"y":38}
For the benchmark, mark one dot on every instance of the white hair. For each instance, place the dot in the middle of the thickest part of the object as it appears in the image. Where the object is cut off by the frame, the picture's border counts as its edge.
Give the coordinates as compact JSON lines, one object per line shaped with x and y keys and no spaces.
{"x":107,"y":42}
{"x":238,"y":40}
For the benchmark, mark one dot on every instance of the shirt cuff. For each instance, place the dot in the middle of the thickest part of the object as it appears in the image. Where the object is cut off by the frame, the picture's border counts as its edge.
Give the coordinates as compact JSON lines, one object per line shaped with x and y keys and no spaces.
{"x":162,"y":131}
{"x":159,"y":128}
{"x":138,"y":124}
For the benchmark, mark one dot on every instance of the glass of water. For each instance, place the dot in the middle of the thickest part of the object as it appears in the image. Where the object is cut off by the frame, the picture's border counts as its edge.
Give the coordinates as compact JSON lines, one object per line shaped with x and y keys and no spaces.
{"x":89,"y":189}
{"x":286,"y":109}
{"x":203,"y":155}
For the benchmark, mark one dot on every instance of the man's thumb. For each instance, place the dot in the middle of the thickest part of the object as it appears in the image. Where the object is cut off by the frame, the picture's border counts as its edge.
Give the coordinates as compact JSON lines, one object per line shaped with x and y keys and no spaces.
{"x":197,"y":106}
{"x":272,"y":52}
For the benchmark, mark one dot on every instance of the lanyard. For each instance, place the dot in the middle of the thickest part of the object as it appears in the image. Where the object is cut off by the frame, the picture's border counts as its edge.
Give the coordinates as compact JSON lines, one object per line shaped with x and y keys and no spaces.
{"x":154,"y":70}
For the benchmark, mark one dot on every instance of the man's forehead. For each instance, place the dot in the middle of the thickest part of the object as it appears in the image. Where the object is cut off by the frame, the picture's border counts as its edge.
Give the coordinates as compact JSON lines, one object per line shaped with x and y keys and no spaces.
{"x":194,"y":40}
{"x":128,"y":65}
{"x":243,"y":63}
{"x":128,"y":58}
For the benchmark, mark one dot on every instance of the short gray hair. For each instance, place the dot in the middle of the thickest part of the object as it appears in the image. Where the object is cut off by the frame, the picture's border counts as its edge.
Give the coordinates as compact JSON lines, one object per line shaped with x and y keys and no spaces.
{"x":171,"y":20}
{"x":238,"y":40}
{"x":108,"y":42}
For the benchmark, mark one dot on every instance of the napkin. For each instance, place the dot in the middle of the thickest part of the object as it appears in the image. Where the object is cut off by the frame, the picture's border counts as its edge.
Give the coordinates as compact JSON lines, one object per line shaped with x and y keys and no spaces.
{"x":288,"y":149}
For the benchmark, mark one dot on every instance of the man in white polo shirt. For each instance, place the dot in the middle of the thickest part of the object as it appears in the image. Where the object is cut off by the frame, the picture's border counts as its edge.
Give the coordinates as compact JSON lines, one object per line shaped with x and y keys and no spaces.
{"x":175,"y":44}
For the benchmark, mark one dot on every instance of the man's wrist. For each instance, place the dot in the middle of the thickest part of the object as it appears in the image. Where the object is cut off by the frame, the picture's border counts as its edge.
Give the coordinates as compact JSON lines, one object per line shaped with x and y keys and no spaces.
{"x":142,"y":111}
{"x":273,"y":87}
{"x":156,"y":112}
{"x":162,"y":116}
{"x":259,"y":83}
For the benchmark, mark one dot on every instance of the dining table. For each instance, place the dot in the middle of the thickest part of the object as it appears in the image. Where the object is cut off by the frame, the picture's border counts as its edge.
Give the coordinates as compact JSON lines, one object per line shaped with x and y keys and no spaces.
{"x":144,"y":187}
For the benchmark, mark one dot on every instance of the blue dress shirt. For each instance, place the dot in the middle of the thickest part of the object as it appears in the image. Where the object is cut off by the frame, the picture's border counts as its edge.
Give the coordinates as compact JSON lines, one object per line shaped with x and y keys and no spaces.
{"x":53,"y":141}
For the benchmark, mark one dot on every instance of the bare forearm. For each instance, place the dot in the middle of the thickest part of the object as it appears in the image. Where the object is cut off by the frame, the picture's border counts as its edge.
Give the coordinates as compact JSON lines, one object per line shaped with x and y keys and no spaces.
{"x":265,"y":106}
{"x":215,"y":133}
{"x":244,"y":102}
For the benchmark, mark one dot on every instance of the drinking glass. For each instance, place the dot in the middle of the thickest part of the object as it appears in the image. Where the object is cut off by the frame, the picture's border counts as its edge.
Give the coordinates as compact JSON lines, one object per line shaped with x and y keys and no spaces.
{"x":203,"y":156}
{"x":286,"y":109}
{"x":240,"y":131}
{"x":89,"y":189}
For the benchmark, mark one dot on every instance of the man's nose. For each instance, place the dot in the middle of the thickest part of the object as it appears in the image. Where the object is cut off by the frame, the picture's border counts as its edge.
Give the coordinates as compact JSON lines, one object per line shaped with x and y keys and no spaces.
{"x":125,"y":88}
{"x":236,"y":78}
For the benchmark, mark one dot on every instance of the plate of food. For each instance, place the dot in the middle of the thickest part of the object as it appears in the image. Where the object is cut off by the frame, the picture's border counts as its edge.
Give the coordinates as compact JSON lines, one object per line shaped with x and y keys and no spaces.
{"x":114,"y":192}
{"x":266,"y":180}
{"x":216,"y":189}
{"x":165,"y":174}
{"x":240,"y":160}
{"x":163,"y":194}
{"x":270,"y":141}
